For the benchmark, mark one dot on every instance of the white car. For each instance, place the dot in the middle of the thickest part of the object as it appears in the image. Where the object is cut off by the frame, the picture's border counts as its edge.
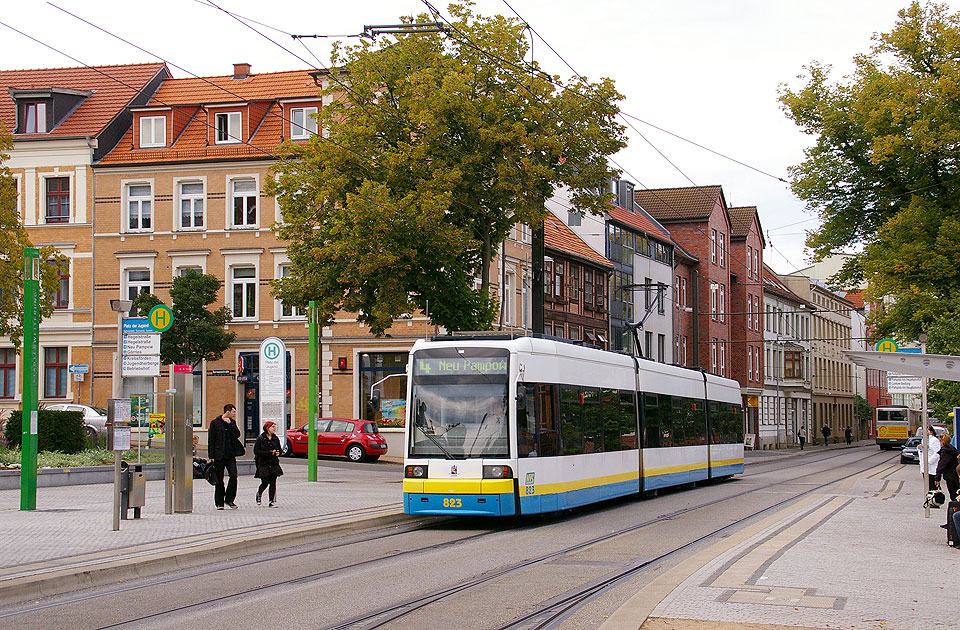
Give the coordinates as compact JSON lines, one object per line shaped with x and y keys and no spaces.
{"x":94,"y":418}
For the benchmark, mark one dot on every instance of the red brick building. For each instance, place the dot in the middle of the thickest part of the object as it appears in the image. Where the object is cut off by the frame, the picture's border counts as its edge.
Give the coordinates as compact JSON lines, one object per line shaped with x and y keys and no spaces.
{"x":698,"y":221}
{"x":575,"y":306}
{"x":746,"y":307}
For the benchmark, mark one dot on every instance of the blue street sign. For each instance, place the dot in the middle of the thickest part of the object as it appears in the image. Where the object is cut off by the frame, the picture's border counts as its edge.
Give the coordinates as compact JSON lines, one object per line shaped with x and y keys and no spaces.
{"x":137,"y":325}
{"x":78,"y":368}
{"x":910,"y":350}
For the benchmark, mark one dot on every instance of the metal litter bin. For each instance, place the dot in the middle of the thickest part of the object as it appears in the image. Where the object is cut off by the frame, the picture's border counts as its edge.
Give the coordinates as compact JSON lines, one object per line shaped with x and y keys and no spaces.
{"x":133,"y":489}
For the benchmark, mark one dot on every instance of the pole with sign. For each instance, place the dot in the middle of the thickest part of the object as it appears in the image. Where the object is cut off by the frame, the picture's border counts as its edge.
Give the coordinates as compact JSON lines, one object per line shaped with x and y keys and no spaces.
{"x":31,"y":367}
{"x":312,"y":414}
{"x":273,"y":385}
{"x":118,"y":440}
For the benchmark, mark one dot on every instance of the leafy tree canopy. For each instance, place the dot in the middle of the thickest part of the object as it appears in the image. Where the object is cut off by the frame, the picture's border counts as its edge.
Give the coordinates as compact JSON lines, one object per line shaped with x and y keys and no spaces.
{"x":197,"y":332}
{"x":13,"y":238}
{"x":884,"y":174}
{"x":433,"y":148}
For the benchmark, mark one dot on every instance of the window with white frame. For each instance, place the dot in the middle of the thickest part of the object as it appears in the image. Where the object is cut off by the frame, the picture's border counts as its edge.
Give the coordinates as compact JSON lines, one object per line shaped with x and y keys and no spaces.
{"x":35,"y":117}
{"x":722,"y":302}
{"x":244,"y":293}
{"x":182,"y":271}
{"x":191,"y":205}
{"x":244,"y":194}
{"x":303,"y":122}
{"x":139,"y":207}
{"x":138,"y":281}
{"x":713,"y":246}
{"x":153,"y":131}
{"x":720,"y":247}
{"x":713,"y":356}
{"x":723,"y":359}
{"x":228,"y":128}
{"x":285,"y":309}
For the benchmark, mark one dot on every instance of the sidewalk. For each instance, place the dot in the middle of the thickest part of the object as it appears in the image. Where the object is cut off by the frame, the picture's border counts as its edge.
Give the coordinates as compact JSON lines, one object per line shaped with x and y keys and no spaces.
{"x":859,"y":556}
{"x":68,"y":542}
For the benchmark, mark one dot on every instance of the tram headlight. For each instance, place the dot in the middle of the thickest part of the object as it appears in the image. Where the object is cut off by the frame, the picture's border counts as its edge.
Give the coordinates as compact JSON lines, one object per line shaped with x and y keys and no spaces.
{"x":416,"y":472}
{"x":497,"y":472}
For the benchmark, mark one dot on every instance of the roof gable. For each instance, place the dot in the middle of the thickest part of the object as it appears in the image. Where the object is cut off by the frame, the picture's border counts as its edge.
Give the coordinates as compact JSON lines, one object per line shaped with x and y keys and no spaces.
{"x":559,"y":237}
{"x":668,"y":205}
{"x":103,"y":92}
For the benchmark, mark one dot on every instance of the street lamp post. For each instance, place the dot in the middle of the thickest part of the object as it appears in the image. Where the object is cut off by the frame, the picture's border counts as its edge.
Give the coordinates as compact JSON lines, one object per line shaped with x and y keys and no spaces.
{"x":120,"y":307}
{"x":31,"y":365}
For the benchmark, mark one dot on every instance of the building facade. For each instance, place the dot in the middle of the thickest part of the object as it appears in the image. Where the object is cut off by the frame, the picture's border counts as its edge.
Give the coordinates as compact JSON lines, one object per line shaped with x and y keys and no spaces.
{"x":63,"y":120}
{"x":786,"y":402}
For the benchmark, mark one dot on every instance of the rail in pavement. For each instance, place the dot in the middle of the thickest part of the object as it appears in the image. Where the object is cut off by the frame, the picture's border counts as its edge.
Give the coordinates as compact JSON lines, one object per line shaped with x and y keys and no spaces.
{"x":860,"y":554}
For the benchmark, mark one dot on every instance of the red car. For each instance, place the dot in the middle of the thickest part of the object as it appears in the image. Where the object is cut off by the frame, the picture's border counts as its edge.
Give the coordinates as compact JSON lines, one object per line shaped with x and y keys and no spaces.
{"x":359,"y":440}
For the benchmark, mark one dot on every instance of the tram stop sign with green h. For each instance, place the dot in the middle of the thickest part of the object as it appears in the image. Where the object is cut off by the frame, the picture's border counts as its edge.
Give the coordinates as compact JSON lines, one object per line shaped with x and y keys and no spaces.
{"x":160,"y":318}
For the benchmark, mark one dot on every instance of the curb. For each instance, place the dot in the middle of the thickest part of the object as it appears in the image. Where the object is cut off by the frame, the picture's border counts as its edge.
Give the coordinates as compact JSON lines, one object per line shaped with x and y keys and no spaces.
{"x":64,"y":575}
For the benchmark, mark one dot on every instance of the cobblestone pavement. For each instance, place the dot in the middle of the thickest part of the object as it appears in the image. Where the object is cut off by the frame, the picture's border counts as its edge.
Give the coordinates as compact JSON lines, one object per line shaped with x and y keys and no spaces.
{"x":76,"y":520}
{"x":860,"y":556}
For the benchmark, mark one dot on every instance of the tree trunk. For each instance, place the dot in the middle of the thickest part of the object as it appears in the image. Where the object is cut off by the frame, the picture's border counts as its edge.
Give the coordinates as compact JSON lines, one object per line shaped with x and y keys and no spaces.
{"x":486,"y":255}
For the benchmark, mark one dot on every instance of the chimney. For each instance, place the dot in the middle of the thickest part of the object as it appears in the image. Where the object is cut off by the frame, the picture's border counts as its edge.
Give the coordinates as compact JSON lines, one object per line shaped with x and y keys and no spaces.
{"x":241,"y":71}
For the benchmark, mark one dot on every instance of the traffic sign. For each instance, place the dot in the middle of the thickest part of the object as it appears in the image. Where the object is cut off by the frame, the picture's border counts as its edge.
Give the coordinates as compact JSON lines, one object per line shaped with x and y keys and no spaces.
{"x":78,"y":368}
{"x":141,"y":344}
{"x":887,"y":345}
{"x":161,"y":317}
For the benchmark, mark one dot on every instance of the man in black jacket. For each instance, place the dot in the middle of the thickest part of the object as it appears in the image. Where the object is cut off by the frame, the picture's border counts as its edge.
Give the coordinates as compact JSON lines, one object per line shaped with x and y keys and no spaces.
{"x":223,"y":446}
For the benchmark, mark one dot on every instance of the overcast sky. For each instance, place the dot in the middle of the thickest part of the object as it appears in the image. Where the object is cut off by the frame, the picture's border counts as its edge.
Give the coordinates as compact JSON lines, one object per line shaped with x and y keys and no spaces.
{"x":704,"y":69}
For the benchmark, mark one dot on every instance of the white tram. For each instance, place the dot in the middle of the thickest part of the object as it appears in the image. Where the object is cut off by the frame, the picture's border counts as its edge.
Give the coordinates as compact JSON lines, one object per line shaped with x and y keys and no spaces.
{"x":519,"y":426}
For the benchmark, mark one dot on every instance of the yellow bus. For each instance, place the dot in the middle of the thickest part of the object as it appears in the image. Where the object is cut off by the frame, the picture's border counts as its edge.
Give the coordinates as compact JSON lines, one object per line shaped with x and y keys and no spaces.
{"x":894,"y":425}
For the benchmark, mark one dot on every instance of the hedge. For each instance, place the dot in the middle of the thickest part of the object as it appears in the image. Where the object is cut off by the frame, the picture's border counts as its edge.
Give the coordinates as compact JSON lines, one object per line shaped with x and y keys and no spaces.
{"x":56,"y":431}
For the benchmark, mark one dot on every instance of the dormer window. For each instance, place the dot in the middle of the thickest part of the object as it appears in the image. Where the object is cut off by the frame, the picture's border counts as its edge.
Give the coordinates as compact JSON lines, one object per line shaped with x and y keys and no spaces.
{"x":303,"y":122}
{"x":153,"y":131}
{"x":228,"y":128}
{"x":35,"y":117}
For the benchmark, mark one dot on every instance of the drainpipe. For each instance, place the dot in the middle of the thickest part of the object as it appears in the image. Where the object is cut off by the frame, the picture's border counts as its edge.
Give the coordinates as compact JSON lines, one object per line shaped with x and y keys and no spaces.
{"x":93,"y":260}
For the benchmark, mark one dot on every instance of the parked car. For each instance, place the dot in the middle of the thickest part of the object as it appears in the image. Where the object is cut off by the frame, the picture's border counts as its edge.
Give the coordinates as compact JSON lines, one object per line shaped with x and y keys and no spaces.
{"x":358,"y":440}
{"x":94,"y":418}
{"x":909,"y":454}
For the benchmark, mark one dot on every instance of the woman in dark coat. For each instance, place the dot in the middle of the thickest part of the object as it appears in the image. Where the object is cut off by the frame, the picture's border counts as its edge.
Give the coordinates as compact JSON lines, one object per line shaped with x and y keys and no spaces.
{"x":266,"y":454}
{"x":947,"y":466}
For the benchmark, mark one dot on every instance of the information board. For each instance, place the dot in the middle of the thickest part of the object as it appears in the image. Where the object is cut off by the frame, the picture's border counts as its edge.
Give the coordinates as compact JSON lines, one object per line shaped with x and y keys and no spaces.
{"x":273,"y":385}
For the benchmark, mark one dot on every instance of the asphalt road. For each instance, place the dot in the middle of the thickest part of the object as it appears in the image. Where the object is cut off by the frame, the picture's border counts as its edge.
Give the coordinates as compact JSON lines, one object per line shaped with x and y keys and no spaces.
{"x":477,"y":574}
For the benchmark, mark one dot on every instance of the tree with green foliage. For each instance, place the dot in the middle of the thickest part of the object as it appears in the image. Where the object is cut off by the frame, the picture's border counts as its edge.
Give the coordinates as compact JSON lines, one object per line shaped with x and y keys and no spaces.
{"x":433,"y":148}
{"x":883,"y":172}
{"x":862,"y":410}
{"x":13,"y":239}
{"x":197,"y":333}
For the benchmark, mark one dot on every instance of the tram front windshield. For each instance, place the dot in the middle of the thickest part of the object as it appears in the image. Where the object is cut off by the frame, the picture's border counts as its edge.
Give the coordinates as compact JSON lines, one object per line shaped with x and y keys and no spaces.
{"x":459,"y":403}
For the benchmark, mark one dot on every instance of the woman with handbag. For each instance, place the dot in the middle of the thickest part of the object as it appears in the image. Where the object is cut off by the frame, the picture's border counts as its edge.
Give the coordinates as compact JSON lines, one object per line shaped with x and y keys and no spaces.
{"x":266,"y":453}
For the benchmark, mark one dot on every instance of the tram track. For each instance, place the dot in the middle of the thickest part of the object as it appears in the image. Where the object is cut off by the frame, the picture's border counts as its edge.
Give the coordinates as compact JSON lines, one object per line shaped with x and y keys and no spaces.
{"x":558,"y":609}
{"x":386,"y":615}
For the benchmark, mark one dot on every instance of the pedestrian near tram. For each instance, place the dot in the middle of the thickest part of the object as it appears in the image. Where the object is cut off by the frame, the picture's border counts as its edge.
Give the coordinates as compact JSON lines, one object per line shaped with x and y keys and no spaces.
{"x":224,"y":446}
{"x":803,"y":439}
{"x":825,"y":430}
{"x":848,"y":434}
{"x":266,"y":454}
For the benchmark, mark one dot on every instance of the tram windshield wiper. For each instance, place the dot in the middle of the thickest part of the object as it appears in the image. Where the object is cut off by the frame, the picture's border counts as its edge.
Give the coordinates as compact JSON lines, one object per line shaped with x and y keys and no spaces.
{"x":430,"y":436}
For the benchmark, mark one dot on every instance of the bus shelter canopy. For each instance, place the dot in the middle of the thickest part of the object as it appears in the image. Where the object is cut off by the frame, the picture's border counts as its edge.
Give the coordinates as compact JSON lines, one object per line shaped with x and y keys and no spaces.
{"x":942,"y":366}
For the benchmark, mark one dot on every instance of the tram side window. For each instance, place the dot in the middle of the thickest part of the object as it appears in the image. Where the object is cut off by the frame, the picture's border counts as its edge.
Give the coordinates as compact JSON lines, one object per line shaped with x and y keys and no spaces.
{"x":527,"y":423}
{"x":726,"y":427}
{"x":547,"y":434}
{"x":570,"y":420}
{"x":592,"y":424}
{"x":736,"y":424}
{"x":610,"y":411}
{"x":628,"y":421}
{"x":651,"y":421}
{"x":716,"y":423}
{"x":696,"y":419}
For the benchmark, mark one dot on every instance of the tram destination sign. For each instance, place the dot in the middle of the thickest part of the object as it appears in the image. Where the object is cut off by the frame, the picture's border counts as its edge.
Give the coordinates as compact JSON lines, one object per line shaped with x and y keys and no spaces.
{"x":460,"y":366}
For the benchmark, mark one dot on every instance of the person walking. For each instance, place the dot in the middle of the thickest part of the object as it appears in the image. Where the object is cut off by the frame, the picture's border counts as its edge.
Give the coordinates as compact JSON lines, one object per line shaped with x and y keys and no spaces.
{"x":947,"y":466}
{"x":825,"y":430}
{"x":932,"y":460}
{"x":803,"y":439}
{"x":848,"y":434}
{"x":223,"y":446}
{"x":266,"y":454}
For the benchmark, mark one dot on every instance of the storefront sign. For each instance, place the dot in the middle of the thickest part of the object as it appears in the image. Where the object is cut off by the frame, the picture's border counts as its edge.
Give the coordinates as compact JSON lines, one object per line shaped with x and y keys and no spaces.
{"x":273,"y":385}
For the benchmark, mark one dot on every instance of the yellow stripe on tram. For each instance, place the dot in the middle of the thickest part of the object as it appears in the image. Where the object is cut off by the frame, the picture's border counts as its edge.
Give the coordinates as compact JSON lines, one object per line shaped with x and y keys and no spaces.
{"x":580,"y":484}
{"x":458,"y":486}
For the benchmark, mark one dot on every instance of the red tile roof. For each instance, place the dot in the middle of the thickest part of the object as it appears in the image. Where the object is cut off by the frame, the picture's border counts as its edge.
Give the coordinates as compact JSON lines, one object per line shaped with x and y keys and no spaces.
{"x":740,"y":220}
{"x":679,"y":204}
{"x":855,"y":297}
{"x":226,"y":89}
{"x":260,"y":90}
{"x":559,"y":237}
{"x":109,"y":97}
{"x":638,"y":220}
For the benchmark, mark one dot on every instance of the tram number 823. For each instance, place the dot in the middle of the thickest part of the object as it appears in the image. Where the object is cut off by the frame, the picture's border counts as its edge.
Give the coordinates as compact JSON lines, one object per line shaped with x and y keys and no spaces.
{"x":453,"y":503}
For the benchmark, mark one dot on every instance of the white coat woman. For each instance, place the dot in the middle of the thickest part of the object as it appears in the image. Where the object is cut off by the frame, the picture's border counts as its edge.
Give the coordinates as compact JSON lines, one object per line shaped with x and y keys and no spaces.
{"x":933,"y":457}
